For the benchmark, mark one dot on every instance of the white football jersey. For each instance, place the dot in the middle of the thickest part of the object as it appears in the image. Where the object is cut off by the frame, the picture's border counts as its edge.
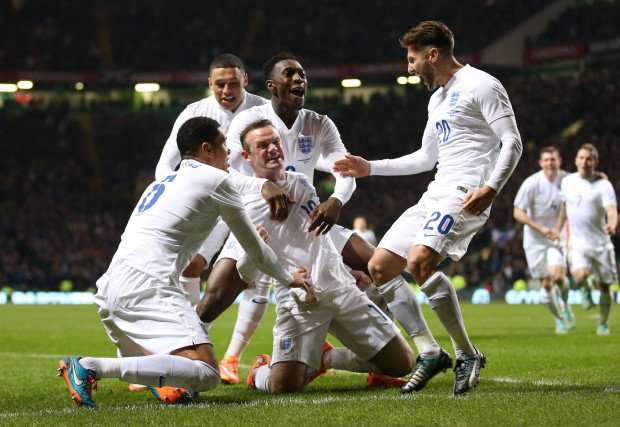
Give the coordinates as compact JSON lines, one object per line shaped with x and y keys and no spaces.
{"x":540,"y":199}
{"x":175,"y":215}
{"x":459,"y":115}
{"x":292,"y":244}
{"x":311,"y":136}
{"x":207,"y":107}
{"x":586,"y":200}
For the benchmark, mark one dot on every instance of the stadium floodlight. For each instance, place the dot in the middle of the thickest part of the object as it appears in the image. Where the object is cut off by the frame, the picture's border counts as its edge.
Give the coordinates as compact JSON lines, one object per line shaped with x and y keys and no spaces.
{"x":8,"y":87}
{"x":351,"y":83}
{"x":413,"y":80}
{"x":24,"y":84}
{"x":401,"y":80}
{"x":147,"y":87}
{"x":79,"y":86}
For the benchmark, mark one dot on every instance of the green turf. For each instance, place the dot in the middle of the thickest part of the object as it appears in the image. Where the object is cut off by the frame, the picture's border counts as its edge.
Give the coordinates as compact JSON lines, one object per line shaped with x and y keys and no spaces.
{"x":533,"y":377}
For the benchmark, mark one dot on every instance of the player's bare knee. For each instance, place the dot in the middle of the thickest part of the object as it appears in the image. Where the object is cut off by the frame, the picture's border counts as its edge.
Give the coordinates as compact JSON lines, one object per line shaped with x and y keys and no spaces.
{"x":396,"y":359}
{"x":289,"y":377}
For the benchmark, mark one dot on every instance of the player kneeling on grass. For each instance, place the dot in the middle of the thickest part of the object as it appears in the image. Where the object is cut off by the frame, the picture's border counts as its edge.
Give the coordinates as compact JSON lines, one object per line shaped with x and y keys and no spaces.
{"x":334,"y":303}
{"x":162,"y":341}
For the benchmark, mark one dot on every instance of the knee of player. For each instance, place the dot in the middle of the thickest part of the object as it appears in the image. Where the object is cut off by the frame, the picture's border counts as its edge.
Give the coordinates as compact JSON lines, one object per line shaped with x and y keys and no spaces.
{"x":377,"y":272}
{"x":290,"y":385}
{"x":207,"y":377}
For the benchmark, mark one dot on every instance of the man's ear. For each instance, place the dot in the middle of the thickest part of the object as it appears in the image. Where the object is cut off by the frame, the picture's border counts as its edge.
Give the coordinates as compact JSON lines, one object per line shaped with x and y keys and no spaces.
{"x":245,"y":80}
{"x":246,"y":156}
{"x":206,"y":147}
{"x":270,"y":85}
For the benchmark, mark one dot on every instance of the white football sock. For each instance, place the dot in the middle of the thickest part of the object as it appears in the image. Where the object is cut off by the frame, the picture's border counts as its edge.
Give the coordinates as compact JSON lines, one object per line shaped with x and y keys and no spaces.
{"x":564,"y":290}
{"x":604,"y":306}
{"x":403,"y":302}
{"x":444,"y":302}
{"x":345,"y":359}
{"x":251,"y":311}
{"x":261,"y":377}
{"x":157,"y":371}
{"x":191,"y":289}
{"x":550,"y":299}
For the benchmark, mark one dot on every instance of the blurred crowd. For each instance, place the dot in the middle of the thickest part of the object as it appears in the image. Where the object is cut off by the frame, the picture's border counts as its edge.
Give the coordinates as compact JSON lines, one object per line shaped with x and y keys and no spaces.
{"x":71,"y":177}
{"x":155,"y":35}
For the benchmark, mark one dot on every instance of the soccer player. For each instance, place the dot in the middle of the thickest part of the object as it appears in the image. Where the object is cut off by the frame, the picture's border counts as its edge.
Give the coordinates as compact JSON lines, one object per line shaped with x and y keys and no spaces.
{"x":227,"y":80}
{"x":160,"y":337}
{"x":360,"y":226}
{"x":374,"y":343}
{"x":590,"y":205}
{"x":536,"y":206}
{"x":472,"y":137}
{"x":306,"y":136}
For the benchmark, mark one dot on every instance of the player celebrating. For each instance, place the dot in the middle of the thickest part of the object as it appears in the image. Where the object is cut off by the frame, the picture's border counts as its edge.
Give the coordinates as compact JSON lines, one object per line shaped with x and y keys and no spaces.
{"x":305,"y":136}
{"x":536,"y":206}
{"x":335,"y":302}
{"x":227,"y":80}
{"x":472,"y":137}
{"x":161,"y":340}
{"x":590,"y":205}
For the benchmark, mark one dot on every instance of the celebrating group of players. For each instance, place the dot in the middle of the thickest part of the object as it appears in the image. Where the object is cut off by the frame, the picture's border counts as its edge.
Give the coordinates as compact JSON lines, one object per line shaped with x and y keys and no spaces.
{"x":264,"y":217}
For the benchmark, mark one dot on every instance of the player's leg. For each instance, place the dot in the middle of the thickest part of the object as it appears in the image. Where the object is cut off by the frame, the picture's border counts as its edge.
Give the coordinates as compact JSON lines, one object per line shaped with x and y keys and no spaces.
{"x":605,"y":271}
{"x":251,"y":311}
{"x":585,"y":284}
{"x":190,"y":278}
{"x":223,"y":287}
{"x":549,"y":297}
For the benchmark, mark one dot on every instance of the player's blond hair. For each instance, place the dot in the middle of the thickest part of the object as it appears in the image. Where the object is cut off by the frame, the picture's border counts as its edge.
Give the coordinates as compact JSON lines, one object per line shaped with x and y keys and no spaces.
{"x":592,"y":149}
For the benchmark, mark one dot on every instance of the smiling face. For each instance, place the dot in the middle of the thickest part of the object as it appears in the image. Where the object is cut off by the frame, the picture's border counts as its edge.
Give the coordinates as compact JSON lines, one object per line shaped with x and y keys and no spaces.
{"x":550,"y":163}
{"x":288,"y":84}
{"x":264,"y":152}
{"x":227,"y":85}
{"x":585,"y":162}
{"x":419,"y":63}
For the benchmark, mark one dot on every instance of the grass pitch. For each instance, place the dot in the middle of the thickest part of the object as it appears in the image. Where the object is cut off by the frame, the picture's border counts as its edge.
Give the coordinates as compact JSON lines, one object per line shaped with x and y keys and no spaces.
{"x":533,"y":377}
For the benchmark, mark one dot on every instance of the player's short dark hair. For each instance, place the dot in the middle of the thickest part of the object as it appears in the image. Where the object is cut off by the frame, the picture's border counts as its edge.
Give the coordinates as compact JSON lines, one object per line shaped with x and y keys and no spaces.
{"x":227,"y":60}
{"x":271,"y":63}
{"x":429,"y":33}
{"x":592,"y":149}
{"x":249,"y":128}
{"x":194,"y":132}
{"x":549,"y":149}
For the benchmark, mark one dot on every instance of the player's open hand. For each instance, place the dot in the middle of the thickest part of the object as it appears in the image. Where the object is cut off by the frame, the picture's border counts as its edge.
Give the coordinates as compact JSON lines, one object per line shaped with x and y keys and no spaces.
{"x":362,"y":279}
{"x":324,"y":216}
{"x":353,"y":166}
{"x":278,"y":200}
{"x":479,"y":200}
{"x":300,"y":280}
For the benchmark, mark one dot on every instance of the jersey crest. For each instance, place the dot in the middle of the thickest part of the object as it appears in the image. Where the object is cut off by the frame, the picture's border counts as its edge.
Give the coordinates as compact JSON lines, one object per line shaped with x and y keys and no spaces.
{"x":305,"y":144}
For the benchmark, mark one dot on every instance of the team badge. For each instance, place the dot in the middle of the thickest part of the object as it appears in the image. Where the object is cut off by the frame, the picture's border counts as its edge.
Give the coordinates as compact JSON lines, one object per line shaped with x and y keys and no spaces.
{"x":286,"y":344}
{"x":305,"y":144}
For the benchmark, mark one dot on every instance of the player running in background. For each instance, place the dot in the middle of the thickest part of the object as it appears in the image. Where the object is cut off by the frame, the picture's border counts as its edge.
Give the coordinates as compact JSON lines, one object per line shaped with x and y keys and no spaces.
{"x":360,"y":226}
{"x":536,"y":206}
{"x":590,"y":205}
{"x":472,"y":137}
{"x":374,"y":343}
{"x":306,"y":136}
{"x":160,"y":338}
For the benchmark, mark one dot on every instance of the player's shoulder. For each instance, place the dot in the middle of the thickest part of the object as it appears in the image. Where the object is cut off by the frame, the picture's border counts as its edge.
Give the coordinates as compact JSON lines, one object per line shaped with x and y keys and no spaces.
{"x":255,"y":100}
{"x":299,"y":178}
{"x":533,"y":179}
{"x":202,"y":105}
{"x":251,"y":114}
{"x":570,"y":179}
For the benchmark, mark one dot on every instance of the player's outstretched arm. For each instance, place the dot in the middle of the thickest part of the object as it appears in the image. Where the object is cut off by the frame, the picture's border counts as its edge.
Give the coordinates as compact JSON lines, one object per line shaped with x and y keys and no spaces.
{"x":352,"y":166}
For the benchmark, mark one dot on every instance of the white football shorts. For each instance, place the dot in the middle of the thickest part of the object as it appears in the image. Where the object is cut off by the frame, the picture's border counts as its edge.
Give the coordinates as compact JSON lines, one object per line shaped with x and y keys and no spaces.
{"x":347,"y":313}
{"x":541,"y":258}
{"x":143,"y":315}
{"x":600,"y":260}
{"x":437,"y":222}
